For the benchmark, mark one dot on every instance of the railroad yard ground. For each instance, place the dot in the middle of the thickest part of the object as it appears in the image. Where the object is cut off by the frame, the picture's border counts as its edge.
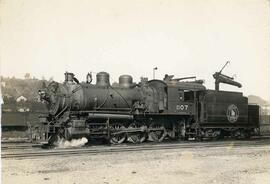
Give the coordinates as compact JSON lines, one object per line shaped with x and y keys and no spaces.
{"x":246,"y":164}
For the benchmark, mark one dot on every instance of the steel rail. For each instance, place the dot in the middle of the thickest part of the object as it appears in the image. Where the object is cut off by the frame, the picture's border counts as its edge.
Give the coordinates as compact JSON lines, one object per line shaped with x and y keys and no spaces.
{"x":117,"y":149}
{"x":17,"y":147}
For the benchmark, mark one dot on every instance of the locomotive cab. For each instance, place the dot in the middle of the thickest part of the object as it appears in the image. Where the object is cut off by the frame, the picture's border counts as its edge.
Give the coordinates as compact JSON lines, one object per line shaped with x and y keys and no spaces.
{"x":183,"y":97}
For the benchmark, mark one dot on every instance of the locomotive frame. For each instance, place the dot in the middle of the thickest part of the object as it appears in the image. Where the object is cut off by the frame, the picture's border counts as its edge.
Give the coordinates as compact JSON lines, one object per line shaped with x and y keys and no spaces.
{"x":151,"y":110}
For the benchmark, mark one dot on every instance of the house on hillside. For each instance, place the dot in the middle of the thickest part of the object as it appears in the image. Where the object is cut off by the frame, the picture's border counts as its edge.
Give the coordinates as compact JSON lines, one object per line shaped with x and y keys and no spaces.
{"x":23,"y":109}
{"x":21,"y":99}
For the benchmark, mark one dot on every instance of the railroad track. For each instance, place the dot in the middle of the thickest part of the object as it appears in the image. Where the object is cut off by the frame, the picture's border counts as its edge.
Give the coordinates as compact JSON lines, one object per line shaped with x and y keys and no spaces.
{"x":123,"y":148}
{"x":19,"y":146}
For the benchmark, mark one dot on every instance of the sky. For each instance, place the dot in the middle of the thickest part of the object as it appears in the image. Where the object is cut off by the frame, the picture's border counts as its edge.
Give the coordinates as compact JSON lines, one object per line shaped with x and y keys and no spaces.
{"x":180,"y":37}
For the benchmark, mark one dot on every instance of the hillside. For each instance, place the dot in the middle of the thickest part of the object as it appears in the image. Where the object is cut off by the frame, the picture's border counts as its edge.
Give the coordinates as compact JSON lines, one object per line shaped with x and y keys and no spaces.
{"x":252,"y":99}
{"x":12,"y":88}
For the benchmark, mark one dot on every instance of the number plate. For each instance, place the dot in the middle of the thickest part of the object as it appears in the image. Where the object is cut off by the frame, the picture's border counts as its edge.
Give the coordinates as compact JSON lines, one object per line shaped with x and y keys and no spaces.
{"x":182,"y":107}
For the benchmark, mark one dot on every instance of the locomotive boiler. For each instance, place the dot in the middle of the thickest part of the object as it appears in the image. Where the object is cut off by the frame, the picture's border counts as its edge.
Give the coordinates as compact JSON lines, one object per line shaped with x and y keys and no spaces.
{"x":147,"y":111}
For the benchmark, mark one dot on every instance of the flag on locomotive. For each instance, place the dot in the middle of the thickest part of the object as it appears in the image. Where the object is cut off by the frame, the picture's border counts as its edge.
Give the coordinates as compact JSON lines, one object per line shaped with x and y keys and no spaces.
{"x":152,"y":110}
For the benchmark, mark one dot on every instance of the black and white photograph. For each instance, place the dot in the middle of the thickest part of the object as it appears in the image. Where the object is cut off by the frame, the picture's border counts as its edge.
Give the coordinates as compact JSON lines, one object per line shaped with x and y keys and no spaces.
{"x":135,"y":91}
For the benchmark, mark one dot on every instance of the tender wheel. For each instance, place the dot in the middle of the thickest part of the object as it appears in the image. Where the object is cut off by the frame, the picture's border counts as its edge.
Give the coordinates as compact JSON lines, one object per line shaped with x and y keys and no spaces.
{"x":117,"y":135}
{"x":247,"y":134}
{"x":139,"y":134}
{"x":157,"y":132}
{"x":221,"y":135}
{"x":237,"y":134}
{"x":244,"y":134}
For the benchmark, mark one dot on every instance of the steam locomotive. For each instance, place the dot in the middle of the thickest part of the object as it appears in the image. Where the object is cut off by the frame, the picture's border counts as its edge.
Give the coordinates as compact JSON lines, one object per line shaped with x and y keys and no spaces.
{"x":152,"y":110}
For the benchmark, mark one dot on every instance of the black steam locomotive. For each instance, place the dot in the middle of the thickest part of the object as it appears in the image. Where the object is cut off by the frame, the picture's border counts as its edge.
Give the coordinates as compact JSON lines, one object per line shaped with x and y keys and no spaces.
{"x":148,"y":111}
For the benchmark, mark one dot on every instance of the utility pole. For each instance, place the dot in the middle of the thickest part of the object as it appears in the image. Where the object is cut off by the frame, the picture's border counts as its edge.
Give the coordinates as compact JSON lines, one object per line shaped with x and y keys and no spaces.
{"x":154,"y":69}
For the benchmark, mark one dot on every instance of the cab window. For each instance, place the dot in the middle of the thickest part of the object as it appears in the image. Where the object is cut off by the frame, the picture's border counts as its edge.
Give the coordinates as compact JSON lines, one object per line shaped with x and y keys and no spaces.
{"x":188,"y":95}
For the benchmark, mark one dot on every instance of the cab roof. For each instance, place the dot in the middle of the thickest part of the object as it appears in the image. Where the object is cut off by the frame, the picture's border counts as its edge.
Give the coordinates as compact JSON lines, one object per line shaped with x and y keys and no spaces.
{"x":193,"y":86}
